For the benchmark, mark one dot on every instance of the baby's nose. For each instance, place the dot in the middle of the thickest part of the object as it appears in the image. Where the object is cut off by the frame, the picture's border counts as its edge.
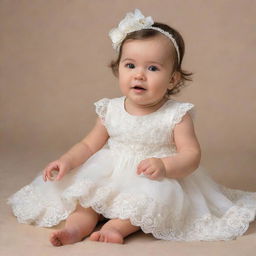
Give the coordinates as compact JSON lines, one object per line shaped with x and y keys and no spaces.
{"x":140,"y":75}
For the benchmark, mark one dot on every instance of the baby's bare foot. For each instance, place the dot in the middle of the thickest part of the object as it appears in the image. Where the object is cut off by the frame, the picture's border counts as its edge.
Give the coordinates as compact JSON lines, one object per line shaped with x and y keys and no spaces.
{"x":108,"y":236}
{"x":65,"y":236}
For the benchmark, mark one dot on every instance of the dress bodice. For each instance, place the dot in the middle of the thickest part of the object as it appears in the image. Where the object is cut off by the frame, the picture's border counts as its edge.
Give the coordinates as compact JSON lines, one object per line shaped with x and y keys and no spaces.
{"x":146,"y":136}
{"x":186,"y":209}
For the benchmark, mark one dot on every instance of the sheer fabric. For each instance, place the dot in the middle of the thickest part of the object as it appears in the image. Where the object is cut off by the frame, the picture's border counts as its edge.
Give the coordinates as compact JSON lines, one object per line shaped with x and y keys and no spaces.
{"x":192,"y":208}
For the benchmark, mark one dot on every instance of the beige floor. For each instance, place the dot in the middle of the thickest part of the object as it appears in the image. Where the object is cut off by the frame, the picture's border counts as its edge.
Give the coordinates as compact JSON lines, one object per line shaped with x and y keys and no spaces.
{"x":18,"y":239}
{"x":54,"y":57}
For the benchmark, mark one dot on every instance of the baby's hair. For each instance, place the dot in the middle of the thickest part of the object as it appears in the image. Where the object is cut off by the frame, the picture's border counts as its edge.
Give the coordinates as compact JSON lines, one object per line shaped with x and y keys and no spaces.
{"x":147,"y":33}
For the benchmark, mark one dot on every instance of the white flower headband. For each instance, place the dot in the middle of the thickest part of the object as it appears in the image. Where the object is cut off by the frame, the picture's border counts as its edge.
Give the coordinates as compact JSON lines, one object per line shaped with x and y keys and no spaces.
{"x":134,"y":22}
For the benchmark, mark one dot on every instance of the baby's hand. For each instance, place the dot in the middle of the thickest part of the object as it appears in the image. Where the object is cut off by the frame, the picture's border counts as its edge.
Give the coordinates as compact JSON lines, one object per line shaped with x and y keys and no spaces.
{"x":153,"y":168}
{"x":55,"y":170}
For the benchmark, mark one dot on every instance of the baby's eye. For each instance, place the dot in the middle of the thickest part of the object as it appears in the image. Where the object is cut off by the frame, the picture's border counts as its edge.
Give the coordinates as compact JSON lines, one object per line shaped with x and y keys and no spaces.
{"x":153,"y":68}
{"x":130,"y":65}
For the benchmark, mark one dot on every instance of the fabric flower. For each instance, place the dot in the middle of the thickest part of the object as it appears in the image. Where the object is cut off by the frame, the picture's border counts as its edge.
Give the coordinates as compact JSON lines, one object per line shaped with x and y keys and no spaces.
{"x":132,"y":22}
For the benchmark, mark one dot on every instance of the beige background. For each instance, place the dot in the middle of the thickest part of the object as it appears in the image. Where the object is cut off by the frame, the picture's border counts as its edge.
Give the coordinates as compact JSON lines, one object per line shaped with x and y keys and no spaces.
{"x":53,"y":66}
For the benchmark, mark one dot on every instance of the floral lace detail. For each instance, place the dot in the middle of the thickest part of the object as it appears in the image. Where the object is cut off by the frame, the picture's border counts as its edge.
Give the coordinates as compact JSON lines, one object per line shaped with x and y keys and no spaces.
{"x":193,"y":208}
{"x":30,"y":206}
{"x":182,"y":109}
{"x":158,"y":126}
{"x":101,"y":108}
{"x":153,"y":217}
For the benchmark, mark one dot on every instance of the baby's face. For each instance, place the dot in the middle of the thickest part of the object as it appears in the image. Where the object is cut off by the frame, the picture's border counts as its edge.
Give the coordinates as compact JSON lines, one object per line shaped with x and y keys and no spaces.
{"x":145,"y":69}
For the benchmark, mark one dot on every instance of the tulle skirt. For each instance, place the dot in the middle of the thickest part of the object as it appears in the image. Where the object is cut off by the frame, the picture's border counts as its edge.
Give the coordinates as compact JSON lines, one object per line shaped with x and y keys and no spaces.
{"x":192,"y":208}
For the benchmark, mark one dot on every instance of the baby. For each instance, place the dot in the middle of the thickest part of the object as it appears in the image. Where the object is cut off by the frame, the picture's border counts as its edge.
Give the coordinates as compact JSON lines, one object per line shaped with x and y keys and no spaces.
{"x":139,"y":165}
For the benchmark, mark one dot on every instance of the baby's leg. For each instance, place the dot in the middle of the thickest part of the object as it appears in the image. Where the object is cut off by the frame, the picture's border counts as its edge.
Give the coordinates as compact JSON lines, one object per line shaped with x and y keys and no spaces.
{"x":114,"y":231}
{"x":78,"y":225}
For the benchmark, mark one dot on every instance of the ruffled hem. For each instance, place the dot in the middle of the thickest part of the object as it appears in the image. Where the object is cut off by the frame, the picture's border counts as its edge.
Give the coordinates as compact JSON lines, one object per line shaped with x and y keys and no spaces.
{"x":30,"y":207}
{"x":143,"y":211}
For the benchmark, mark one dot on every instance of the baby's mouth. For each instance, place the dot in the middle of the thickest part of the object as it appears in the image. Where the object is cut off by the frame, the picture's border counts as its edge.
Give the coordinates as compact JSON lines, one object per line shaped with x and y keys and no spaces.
{"x":138,"y":88}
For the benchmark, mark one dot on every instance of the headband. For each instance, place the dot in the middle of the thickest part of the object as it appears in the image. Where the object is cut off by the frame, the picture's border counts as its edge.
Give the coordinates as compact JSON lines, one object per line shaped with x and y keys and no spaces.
{"x":134,"y":22}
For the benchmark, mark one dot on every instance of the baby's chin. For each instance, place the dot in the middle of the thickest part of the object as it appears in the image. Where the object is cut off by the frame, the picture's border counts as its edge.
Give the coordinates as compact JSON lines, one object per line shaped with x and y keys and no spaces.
{"x":147,"y":101}
{"x":144,"y":104}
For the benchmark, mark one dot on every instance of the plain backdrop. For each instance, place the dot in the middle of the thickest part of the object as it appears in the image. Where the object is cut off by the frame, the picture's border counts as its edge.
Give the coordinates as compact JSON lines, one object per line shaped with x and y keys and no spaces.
{"x":54,"y":57}
{"x":54,"y":65}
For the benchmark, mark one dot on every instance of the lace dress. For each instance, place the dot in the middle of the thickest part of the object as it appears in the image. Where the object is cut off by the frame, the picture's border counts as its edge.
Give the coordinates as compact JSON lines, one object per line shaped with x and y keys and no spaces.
{"x":191,"y":208}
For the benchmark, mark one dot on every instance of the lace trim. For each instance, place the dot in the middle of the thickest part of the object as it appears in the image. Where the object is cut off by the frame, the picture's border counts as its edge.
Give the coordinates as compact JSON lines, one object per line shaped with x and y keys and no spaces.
{"x":182,"y":109}
{"x":31,"y":207}
{"x":145,"y":212}
{"x":101,"y":108}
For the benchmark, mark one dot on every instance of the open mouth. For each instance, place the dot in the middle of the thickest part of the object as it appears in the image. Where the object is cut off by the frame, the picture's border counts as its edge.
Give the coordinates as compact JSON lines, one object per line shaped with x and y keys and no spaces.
{"x":138,"y":88}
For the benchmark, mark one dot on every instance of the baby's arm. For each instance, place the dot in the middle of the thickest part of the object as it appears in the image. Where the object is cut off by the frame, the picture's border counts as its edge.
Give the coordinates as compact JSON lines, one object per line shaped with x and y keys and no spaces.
{"x":188,"y":154}
{"x":79,"y":153}
{"x":181,"y":164}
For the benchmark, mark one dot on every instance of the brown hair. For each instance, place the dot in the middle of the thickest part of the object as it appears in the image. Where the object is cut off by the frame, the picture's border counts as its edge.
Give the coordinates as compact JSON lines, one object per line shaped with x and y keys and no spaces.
{"x":146,"y":33}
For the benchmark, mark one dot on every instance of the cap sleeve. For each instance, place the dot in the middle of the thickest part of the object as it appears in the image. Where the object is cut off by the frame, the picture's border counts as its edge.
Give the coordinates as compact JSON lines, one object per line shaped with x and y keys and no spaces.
{"x":182,"y":109}
{"x":101,"y":107}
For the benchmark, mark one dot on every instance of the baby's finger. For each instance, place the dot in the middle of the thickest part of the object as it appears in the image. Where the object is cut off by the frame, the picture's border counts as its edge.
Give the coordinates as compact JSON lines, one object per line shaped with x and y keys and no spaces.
{"x":141,"y":169}
{"x":59,"y":176}
{"x":139,"y":166}
{"x":45,"y":174}
{"x":143,"y":165}
{"x":154,"y":176}
{"x":45,"y":177}
{"x":149,"y":171}
{"x":48,"y":173}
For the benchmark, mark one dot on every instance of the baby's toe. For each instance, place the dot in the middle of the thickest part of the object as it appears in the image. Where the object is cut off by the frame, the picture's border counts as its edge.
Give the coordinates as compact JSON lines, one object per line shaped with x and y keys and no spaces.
{"x":95,"y":236}
{"x":55,"y":240}
{"x":103,"y":238}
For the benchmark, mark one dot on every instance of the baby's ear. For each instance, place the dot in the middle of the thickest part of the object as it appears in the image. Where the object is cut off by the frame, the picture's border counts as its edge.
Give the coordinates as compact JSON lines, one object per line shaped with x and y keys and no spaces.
{"x":175,"y":78}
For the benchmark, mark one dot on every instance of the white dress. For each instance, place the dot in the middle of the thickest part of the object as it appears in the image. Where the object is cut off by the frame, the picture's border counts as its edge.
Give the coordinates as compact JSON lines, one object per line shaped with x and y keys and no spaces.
{"x":191,"y":208}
